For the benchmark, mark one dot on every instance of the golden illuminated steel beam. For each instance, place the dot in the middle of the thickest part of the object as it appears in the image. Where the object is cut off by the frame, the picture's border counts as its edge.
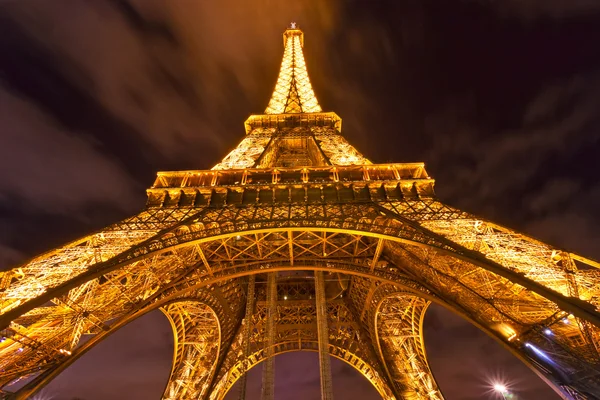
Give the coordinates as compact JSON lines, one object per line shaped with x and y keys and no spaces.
{"x":323,"y":335}
{"x":268,"y":377}
{"x":248,"y":326}
{"x":377,"y":254}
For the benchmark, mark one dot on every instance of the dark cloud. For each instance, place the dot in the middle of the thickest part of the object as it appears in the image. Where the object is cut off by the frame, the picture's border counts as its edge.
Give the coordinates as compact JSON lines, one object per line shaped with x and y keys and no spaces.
{"x":146,"y":26}
{"x":10,"y":256}
{"x":557,"y":9}
{"x":42,"y":156}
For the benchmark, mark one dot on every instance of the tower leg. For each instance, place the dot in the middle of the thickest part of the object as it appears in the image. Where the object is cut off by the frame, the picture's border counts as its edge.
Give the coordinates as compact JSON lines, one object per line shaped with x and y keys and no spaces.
{"x":268,"y":382}
{"x":399,"y":331}
{"x":247,"y":332}
{"x":323,"y":336}
{"x":196,"y":337}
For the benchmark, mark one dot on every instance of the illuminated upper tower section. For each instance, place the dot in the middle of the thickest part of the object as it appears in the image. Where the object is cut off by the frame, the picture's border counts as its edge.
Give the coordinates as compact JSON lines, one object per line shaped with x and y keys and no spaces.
{"x":293,"y":92}
{"x":293,"y":132}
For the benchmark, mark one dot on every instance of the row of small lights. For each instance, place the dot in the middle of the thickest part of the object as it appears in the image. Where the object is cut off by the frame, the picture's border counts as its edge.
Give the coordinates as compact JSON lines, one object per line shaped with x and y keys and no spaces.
{"x":547,"y":331}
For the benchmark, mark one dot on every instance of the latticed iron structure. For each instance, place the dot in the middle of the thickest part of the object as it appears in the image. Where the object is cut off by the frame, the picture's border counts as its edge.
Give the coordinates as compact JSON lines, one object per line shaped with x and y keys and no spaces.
{"x":295,"y":241}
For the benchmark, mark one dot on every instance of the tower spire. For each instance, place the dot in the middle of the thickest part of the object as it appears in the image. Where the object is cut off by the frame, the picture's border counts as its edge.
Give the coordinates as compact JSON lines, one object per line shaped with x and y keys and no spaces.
{"x":293,"y":92}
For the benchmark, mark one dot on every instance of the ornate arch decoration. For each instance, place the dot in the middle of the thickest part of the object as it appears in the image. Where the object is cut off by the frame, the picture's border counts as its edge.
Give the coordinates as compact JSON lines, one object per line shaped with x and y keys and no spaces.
{"x":362,"y":366}
{"x":195,"y":355}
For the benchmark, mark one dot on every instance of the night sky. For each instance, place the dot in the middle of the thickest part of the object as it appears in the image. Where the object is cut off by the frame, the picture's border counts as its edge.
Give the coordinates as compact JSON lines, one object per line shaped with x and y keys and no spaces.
{"x":500,"y":99}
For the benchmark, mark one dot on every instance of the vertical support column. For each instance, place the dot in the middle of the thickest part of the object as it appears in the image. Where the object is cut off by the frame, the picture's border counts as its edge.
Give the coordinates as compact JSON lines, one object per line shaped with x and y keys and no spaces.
{"x":323,"y":336}
{"x":268,"y":381}
{"x":247,"y":333}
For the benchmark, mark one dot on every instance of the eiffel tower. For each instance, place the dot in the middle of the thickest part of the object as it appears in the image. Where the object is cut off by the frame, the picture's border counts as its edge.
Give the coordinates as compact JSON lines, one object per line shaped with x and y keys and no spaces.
{"x":296,"y":242}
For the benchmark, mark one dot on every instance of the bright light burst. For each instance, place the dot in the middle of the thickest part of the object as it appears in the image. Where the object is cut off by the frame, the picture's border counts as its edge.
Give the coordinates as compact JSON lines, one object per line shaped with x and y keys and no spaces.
{"x":499,"y":387}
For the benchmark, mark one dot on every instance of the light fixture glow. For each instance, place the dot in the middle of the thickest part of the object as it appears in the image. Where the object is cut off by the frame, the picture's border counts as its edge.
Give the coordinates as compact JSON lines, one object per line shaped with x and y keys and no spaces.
{"x":498,"y":387}
{"x":507,"y":331}
{"x":547,"y":331}
{"x":539,"y":352}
